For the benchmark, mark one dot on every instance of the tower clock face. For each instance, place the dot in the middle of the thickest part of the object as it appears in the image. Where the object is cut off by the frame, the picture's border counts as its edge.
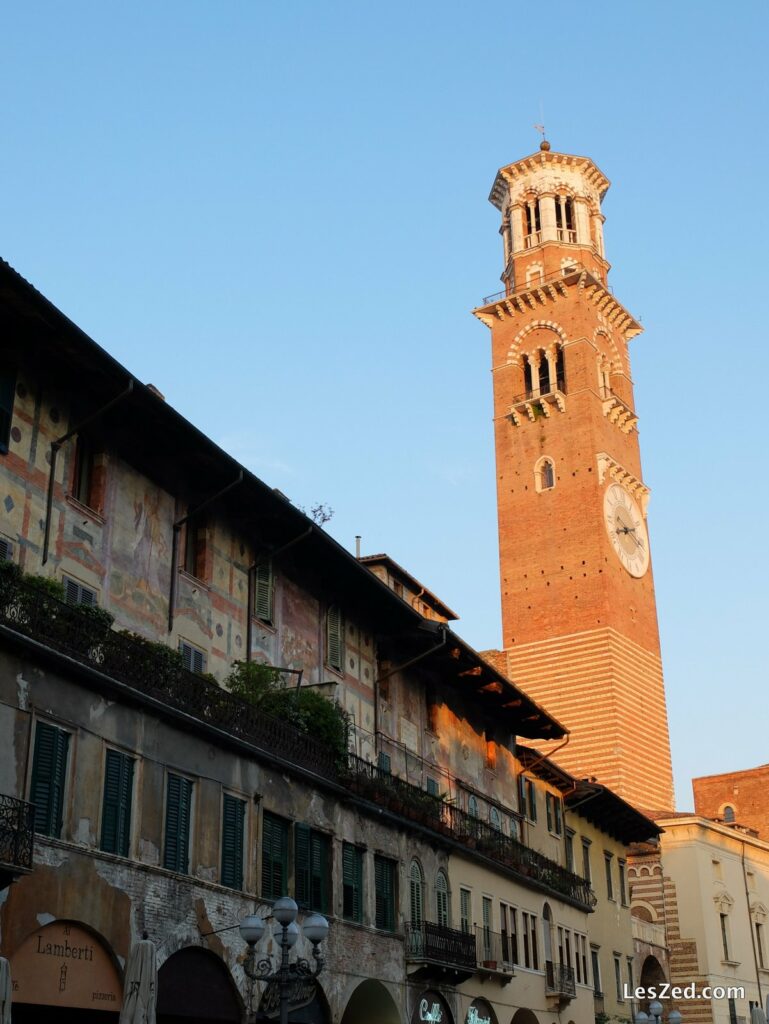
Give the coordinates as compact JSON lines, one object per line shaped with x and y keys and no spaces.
{"x":627,"y":530}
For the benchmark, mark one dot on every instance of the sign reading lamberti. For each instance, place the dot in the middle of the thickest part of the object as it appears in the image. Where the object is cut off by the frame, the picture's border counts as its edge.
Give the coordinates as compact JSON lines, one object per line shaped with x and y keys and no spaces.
{"x":431,"y":1008}
{"x":64,"y":965}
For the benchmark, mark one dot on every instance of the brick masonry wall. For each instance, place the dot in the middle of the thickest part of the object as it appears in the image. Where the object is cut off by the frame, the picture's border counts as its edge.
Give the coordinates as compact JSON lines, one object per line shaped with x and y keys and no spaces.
{"x":747,"y":792}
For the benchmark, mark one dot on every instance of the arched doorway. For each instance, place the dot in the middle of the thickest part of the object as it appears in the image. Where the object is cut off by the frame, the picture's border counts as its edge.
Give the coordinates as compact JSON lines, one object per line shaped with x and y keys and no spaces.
{"x":524,"y":1017}
{"x":308,"y":1005}
{"x":64,"y":973}
{"x":651,"y":974}
{"x":371,"y":1003}
{"x":194,"y":984}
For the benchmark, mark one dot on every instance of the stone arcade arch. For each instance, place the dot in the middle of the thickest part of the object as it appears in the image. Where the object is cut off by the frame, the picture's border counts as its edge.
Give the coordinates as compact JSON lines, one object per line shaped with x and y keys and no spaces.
{"x":195,"y":984}
{"x":652,"y":973}
{"x":371,"y":1003}
{"x":524,"y":1016}
{"x":312,"y":1011}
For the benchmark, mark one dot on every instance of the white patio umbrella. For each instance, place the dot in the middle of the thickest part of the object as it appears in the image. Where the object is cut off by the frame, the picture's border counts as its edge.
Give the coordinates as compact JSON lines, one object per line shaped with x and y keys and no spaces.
{"x":5,"y":991}
{"x":141,"y":983}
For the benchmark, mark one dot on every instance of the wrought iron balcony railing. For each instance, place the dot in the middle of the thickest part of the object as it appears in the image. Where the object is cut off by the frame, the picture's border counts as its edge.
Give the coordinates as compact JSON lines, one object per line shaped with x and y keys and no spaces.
{"x":440,"y":945}
{"x":17,"y":829}
{"x":152,"y":670}
{"x":411,"y":802}
{"x":559,"y":980}
{"x":496,"y":950}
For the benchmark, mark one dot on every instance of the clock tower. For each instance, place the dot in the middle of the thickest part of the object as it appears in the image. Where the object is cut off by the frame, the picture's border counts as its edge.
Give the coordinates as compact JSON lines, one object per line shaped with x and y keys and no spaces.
{"x":579,"y":619}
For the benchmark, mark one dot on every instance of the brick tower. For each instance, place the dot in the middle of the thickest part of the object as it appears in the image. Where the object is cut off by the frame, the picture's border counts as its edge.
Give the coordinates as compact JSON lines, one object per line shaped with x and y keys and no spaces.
{"x":579,"y":619}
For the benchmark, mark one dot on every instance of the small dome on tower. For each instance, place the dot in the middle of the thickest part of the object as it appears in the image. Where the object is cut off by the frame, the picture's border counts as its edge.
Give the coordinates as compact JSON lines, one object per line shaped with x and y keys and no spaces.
{"x":544,"y":145}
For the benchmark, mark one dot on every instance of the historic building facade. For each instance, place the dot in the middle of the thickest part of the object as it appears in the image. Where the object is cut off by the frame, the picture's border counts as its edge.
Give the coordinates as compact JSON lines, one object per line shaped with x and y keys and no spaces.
{"x":579,"y":623}
{"x":143,"y":575}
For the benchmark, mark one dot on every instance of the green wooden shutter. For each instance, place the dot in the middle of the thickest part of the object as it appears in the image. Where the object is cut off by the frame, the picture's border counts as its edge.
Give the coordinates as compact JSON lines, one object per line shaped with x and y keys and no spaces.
{"x":531,"y":799}
{"x":319,"y":872}
{"x":263,"y":590}
{"x":49,"y":770}
{"x":116,"y":808}
{"x":432,"y":787}
{"x":549,"y":810}
{"x":522,"y":795}
{"x":385,"y":893}
{"x":7,"y":389}
{"x":334,"y":638}
{"x":352,"y":882}
{"x":302,"y":864}
{"x":178,"y":805}
{"x":416,"y":894}
{"x":233,"y":819}
{"x":274,"y":856}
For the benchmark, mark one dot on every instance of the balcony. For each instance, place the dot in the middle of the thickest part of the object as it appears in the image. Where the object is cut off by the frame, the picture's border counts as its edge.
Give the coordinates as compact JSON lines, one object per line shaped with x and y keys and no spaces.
{"x":495,"y":953}
{"x":431,"y":812}
{"x":435,"y":950}
{"x":538,"y":402}
{"x":559,"y":981}
{"x":17,"y":827}
{"x":141,"y":668}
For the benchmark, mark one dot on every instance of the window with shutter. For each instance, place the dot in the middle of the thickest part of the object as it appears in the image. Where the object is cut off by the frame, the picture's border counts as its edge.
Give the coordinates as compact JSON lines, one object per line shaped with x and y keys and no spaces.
{"x":194,"y":659}
{"x":6,"y":550}
{"x":311,"y":868}
{"x":442,"y":899}
{"x":384,"y":885}
{"x":531,"y":800}
{"x":116,"y":805}
{"x":274,"y":856}
{"x":352,"y":882}
{"x":7,"y":390}
{"x":82,"y":477}
{"x":76,"y":593}
{"x":233,"y":822}
{"x":416,"y":892}
{"x":465,"y":913}
{"x":335,"y":638}
{"x":384,"y":763}
{"x":178,"y":810}
{"x":263,"y":591}
{"x":49,"y":773}
{"x":486,"y":918}
{"x":549,"y":810}
{"x":432,"y":786}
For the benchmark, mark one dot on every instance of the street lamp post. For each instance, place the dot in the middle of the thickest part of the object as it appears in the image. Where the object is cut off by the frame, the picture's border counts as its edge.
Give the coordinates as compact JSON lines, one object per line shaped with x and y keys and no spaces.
{"x":288,"y":973}
{"x":654,"y":1015}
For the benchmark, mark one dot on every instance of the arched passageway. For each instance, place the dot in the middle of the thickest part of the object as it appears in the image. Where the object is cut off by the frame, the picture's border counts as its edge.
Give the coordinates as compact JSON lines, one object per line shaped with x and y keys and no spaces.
{"x":311,"y":1007}
{"x":194,"y":984}
{"x":652,"y":974}
{"x":524,"y":1016}
{"x":371,"y":1003}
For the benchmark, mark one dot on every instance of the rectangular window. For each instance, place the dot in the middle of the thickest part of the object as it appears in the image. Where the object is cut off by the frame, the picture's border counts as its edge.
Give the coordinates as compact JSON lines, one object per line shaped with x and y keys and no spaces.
{"x":531,"y":800}
{"x":352,"y":882}
{"x":630,"y":984}
{"x":596,"y":968}
{"x":554,"y":815}
{"x":194,"y":659}
{"x":618,"y":978}
{"x":176,"y":854}
{"x":384,"y":763}
{"x":549,"y":811}
{"x":607,"y":859}
{"x":760,"y":944}
{"x":432,"y":787}
{"x":76,"y":593}
{"x":335,"y":638}
{"x":311,"y":868}
{"x":525,"y":939}
{"x":533,"y":942}
{"x":49,"y":773}
{"x":583,"y":956}
{"x":263,"y":590}
{"x":724,"y":936}
{"x":622,"y":886}
{"x":233,"y":829}
{"x":577,"y":961}
{"x":7,"y":390}
{"x":465,"y":912}
{"x":274,"y":856}
{"x":195,"y":536}
{"x":570,"y":850}
{"x":82,"y":477}
{"x":514,"y":935}
{"x":116,"y":805}
{"x":587,"y":874}
{"x":384,"y":885}
{"x":486,"y":918}
{"x":732,"y":1010}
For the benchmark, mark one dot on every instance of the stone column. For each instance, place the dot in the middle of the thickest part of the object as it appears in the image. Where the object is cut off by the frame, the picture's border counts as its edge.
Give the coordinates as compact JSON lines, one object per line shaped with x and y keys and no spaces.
{"x":547,"y":216}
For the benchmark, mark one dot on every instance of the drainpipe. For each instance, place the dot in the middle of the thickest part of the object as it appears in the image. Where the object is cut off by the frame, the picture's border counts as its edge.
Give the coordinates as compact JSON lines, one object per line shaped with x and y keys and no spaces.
{"x":56,"y":445}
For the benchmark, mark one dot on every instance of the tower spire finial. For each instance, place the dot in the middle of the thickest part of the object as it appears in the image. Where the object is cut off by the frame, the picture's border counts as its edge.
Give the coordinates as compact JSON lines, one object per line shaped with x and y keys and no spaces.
{"x":544,"y":144}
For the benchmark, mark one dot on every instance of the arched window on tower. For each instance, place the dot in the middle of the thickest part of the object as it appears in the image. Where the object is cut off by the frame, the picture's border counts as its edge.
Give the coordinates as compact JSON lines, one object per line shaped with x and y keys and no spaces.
{"x":528,"y":383}
{"x":544,"y":373}
{"x":564,"y":219}
{"x":560,"y":369}
{"x":533,"y":234}
{"x":544,"y":474}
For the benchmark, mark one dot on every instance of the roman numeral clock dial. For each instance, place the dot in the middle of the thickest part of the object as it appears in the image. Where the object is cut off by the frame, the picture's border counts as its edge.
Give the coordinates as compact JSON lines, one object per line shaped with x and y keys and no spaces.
{"x":626,"y":529}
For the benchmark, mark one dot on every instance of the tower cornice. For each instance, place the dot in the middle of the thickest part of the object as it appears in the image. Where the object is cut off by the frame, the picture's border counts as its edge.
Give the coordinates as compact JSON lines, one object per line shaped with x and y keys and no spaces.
{"x":507,"y":176}
{"x":521,"y":303}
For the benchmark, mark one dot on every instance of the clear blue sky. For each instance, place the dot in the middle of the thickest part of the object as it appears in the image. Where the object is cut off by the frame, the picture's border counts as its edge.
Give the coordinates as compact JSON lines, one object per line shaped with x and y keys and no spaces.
{"x":276,"y":212}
